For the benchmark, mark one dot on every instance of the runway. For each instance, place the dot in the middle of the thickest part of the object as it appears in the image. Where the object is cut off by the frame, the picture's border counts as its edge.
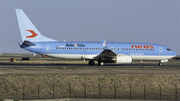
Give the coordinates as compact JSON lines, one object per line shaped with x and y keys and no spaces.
{"x":63,"y":68}
{"x":51,"y":64}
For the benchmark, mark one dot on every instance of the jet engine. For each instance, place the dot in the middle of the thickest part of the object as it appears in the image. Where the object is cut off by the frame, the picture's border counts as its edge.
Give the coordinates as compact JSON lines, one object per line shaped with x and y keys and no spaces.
{"x":123,"y":59}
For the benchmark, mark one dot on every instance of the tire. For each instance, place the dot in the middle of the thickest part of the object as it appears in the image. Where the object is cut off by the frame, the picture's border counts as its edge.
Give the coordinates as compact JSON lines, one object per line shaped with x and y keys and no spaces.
{"x":160,"y":64}
{"x":100,"y":63}
{"x":91,"y":63}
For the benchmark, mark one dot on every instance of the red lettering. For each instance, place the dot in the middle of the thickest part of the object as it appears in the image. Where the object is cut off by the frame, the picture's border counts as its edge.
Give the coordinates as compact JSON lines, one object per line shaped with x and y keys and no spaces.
{"x":140,"y":46}
{"x":146,"y":46}
{"x":133,"y":46}
{"x":151,"y":47}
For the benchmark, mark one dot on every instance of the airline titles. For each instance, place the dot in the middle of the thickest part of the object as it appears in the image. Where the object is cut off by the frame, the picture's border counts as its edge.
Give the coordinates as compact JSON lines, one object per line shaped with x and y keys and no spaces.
{"x":74,"y":45}
{"x":143,"y":46}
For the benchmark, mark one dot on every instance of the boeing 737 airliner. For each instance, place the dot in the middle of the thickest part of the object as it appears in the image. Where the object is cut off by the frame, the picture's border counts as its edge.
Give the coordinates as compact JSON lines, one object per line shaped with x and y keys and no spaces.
{"x":103,"y":52}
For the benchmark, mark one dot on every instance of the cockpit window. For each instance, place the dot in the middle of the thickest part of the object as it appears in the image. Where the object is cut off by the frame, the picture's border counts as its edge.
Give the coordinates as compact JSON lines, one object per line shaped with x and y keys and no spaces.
{"x":168,"y":49}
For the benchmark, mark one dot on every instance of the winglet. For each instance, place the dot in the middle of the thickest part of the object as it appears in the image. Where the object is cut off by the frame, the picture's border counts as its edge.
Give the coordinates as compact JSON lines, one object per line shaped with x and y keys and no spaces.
{"x":105,"y":47}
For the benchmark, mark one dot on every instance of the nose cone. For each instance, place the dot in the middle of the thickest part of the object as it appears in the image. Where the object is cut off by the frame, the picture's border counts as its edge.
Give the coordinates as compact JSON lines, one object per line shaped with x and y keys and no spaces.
{"x":174,"y":53}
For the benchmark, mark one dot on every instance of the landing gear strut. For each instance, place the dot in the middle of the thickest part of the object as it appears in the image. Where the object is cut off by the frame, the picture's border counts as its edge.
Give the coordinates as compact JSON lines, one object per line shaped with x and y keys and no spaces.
{"x":91,"y":62}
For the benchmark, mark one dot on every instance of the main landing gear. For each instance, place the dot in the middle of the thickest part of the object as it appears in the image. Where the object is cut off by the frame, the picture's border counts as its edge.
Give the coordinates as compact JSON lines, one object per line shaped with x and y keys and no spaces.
{"x":100,"y":63}
{"x":91,"y":63}
{"x":160,"y":64}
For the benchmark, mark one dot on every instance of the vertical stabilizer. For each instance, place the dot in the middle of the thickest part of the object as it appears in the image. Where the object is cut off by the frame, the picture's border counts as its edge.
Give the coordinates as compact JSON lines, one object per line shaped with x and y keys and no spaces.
{"x":27,"y":29}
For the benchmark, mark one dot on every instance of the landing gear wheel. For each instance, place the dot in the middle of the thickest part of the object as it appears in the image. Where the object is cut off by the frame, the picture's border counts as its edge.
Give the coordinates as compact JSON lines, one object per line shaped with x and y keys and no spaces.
{"x":100,"y":63}
{"x":91,"y":63}
{"x":160,"y":64}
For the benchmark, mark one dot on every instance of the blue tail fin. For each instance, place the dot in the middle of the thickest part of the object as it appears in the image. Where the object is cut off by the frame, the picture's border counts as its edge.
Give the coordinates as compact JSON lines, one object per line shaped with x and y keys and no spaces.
{"x":28,"y":31}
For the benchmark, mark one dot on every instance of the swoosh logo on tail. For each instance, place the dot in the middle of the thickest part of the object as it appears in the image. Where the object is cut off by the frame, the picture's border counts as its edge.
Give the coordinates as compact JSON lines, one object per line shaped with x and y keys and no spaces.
{"x":33,"y":34}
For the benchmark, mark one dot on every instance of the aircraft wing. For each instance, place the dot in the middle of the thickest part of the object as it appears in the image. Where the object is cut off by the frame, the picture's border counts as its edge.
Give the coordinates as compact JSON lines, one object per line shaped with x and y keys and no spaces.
{"x":106,"y":53}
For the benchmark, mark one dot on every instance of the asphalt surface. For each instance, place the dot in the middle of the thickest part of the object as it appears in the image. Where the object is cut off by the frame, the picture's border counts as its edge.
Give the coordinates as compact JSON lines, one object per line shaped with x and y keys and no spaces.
{"x":72,"y":64}
{"x":63,"y":68}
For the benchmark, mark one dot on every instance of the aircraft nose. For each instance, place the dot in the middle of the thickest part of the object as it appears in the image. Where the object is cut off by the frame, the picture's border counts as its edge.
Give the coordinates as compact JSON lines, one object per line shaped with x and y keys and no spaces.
{"x":174,"y":53}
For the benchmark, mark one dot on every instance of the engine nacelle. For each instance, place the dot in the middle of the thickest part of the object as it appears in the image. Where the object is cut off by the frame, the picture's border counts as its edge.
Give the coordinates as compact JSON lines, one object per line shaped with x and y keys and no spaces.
{"x":164,"y":60}
{"x":123,"y":59}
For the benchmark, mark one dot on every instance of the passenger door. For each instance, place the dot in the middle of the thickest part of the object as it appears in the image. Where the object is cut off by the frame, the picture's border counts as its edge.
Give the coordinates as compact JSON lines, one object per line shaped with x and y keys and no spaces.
{"x":47,"y":48}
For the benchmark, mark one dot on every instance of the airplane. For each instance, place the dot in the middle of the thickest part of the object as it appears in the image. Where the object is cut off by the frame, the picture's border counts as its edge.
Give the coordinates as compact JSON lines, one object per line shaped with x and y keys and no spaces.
{"x":103,"y":52}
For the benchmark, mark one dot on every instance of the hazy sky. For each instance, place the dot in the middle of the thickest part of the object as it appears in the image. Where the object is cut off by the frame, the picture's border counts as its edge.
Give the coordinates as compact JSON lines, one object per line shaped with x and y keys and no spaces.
{"x":148,"y":21}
